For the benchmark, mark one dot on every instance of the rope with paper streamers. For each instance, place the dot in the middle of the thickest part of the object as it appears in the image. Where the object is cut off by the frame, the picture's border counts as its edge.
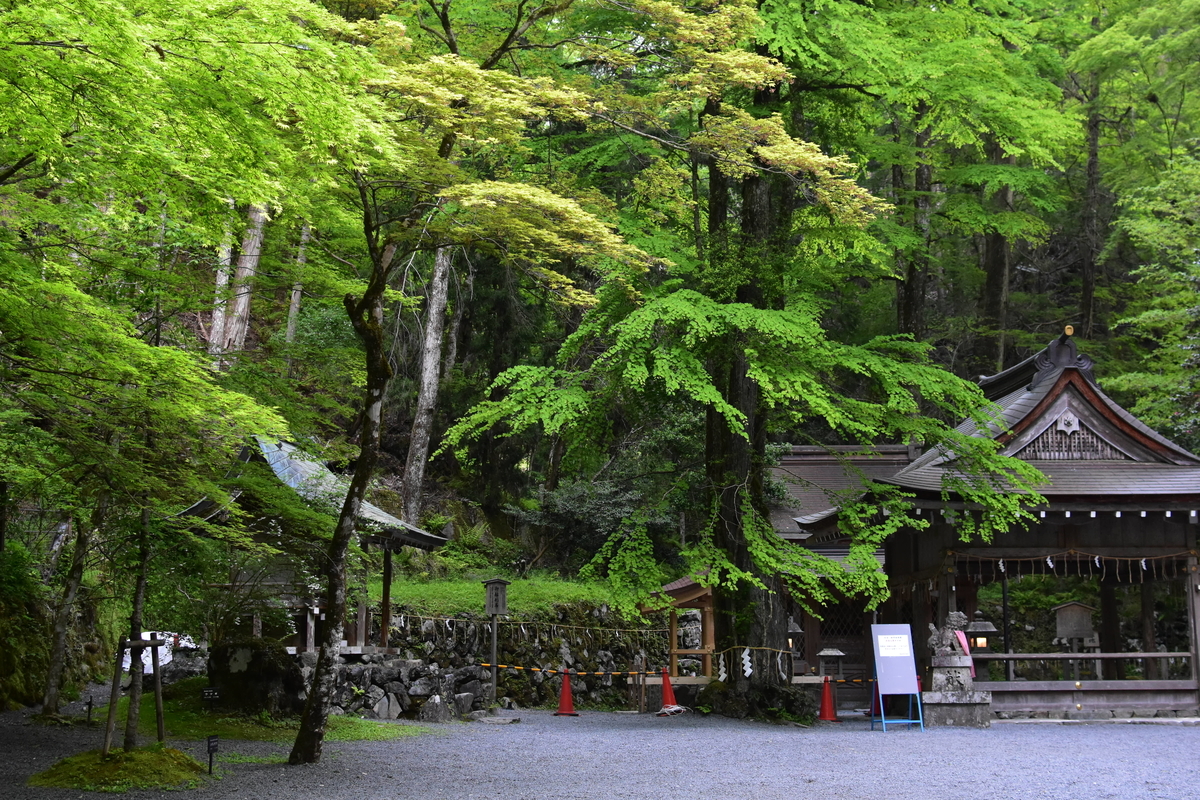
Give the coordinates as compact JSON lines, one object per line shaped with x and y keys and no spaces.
{"x":547,"y":671}
{"x":745,"y":659}
{"x":1078,"y":562}
{"x":530,"y":630}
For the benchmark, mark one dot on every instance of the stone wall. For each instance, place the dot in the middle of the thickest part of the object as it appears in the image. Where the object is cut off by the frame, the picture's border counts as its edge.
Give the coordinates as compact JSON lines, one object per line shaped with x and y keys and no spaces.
{"x":434,"y":673}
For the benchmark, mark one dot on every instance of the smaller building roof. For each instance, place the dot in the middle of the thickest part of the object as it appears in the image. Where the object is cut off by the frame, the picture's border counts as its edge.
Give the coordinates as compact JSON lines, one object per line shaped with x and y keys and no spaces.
{"x":313,"y":480}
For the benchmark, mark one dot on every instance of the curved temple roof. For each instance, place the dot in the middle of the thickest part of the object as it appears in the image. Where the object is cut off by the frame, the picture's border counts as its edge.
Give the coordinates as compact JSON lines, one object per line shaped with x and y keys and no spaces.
{"x":1054,"y":415}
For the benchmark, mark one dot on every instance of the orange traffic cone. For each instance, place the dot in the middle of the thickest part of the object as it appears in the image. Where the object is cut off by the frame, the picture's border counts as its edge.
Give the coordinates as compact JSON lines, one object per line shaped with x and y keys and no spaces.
{"x":828,"y":711}
{"x":668,"y":692}
{"x":566,"y":704}
{"x":669,"y":707}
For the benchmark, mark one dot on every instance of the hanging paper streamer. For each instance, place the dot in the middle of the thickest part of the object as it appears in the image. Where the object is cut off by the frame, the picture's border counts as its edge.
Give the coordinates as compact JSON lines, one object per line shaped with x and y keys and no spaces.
{"x":1002,"y":568}
{"x":747,"y":670}
{"x":721,"y":673}
{"x":1143,"y":565}
{"x":1049,"y":562}
{"x":779,"y":664}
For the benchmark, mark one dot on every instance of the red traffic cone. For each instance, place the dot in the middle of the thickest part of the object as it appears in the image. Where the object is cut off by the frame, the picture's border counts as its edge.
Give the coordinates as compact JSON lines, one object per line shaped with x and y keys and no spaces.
{"x":876,"y":704}
{"x":669,"y":706}
{"x":828,"y":711}
{"x":566,"y":704}
{"x":668,"y":693}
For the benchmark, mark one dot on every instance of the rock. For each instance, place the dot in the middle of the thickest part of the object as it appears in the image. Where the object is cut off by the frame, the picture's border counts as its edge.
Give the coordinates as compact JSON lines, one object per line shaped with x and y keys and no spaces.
{"x":400,"y":702}
{"x":255,"y":675}
{"x":436,"y":710}
{"x":394,"y":687}
{"x":463,"y":702}
{"x":423,"y":687}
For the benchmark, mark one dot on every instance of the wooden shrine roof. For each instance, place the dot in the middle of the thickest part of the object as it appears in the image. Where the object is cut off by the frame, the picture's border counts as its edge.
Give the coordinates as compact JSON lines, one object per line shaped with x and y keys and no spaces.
{"x":1054,"y":415}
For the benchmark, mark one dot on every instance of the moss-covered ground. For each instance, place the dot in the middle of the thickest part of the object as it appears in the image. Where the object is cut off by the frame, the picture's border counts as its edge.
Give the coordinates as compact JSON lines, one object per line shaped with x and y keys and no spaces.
{"x":148,"y":768}
{"x":186,"y":716}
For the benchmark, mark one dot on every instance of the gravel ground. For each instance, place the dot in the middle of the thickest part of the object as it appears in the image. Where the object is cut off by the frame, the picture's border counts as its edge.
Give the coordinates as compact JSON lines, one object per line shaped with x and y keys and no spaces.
{"x":605,"y":755}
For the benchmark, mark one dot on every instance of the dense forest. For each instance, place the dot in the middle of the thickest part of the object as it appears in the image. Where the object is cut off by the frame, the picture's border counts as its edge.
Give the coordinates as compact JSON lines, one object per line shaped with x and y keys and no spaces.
{"x":554,"y":277}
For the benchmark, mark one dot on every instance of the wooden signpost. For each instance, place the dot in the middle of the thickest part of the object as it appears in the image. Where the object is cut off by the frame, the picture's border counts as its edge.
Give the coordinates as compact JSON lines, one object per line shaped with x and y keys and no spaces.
{"x":895,"y":672}
{"x":495,"y":604}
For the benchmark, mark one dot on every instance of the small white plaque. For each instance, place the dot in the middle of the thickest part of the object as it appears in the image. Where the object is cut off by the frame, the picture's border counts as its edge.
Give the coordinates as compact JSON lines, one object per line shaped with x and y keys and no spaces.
{"x":891,"y":645}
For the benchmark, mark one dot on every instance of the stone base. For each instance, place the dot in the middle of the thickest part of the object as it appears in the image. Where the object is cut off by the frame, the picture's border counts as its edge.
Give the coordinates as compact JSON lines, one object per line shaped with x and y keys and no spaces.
{"x":957,"y":709}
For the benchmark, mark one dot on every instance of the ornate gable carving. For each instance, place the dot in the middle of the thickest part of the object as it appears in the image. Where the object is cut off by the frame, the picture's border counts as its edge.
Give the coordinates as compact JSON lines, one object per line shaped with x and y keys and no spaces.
{"x":1070,"y":440}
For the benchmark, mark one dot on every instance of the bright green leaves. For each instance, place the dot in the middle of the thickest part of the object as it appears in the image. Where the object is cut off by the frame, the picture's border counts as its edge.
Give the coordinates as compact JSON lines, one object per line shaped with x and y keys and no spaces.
{"x":116,"y":412}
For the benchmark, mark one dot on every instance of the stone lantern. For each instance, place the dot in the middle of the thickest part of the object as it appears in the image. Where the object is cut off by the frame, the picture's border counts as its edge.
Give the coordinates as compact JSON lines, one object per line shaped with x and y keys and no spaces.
{"x":980,"y":634}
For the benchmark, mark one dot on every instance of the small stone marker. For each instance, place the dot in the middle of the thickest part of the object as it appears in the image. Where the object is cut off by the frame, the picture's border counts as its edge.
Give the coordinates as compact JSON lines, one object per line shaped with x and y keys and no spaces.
{"x":212,"y":749}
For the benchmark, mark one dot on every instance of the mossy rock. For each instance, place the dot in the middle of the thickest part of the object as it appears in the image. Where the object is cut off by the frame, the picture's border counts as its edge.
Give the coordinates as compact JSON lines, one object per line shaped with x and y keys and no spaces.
{"x":255,"y":675}
{"x":150,"y":768}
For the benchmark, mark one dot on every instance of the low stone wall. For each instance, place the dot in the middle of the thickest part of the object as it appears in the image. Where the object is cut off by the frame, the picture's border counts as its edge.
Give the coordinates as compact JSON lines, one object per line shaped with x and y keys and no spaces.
{"x":431,"y":670}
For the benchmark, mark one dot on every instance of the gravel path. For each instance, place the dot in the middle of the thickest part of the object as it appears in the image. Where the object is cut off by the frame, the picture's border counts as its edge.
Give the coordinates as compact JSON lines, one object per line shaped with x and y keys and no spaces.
{"x":604,"y":755}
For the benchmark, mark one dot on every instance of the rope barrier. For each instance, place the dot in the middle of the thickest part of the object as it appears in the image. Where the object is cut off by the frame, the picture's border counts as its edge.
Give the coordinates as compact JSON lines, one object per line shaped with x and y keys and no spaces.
{"x":1074,"y":561}
{"x":535,"y":623}
{"x":571,"y":671}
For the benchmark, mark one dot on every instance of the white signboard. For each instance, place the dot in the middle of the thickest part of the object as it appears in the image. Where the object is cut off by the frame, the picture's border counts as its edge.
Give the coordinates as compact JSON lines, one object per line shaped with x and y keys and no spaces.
{"x":895,"y":668}
{"x":893,"y":646}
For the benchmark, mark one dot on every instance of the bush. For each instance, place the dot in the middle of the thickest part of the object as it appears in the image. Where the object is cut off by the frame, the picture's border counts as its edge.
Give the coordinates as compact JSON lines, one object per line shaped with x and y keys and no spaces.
{"x":24,"y":629}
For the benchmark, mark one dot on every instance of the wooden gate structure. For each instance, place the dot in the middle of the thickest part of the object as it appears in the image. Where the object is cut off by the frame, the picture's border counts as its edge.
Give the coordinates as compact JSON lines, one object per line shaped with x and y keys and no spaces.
{"x":1121,"y":508}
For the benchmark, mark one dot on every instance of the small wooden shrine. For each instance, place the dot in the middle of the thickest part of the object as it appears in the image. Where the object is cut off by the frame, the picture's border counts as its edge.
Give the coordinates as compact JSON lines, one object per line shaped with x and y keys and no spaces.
{"x":1121,"y":509}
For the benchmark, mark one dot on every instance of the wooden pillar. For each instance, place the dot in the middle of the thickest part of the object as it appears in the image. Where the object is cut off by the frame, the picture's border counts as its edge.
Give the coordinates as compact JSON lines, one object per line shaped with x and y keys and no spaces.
{"x":310,"y":629}
{"x":945,"y":600}
{"x":708,"y":635}
{"x":385,"y":605}
{"x":1110,"y":627}
{"x":673,"y":644}
{"x":812,"y":639}
{"x":1149,"y":640}
{"x":362,"y":623}
{"x":967,"y":595}
{"x":256,"y":626}
{"x":1192,"y":588}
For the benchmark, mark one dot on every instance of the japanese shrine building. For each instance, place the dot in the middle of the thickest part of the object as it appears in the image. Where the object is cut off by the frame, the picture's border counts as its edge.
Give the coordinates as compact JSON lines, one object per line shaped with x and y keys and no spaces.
{"x":1121,"y":511}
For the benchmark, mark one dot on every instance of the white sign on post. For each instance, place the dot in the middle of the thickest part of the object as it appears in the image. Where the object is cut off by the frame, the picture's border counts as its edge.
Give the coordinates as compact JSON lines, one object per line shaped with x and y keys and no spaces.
{"x":895,"y":667}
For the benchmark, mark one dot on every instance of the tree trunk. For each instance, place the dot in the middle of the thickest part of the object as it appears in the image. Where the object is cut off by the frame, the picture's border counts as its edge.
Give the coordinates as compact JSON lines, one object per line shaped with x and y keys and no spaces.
{"x":460,"y":305}
{"x":216,"y":331}
{"x":243,"y":280}
{"x":3,"y":514}
{"x":749,"y":615}
{"x":916,"y":273}
{"x":289,"y":335}
{"x":997,"y":264}
{"x":1091,"y":214}
{"x":366,"y":315}
{"x":62,"y":620}
{"x":135,"y":634}
{"x":431,"y":362}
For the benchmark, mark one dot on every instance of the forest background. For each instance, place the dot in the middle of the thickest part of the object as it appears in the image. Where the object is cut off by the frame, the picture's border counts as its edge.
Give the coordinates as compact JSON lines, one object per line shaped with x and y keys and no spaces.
{"x":553,"y":278}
